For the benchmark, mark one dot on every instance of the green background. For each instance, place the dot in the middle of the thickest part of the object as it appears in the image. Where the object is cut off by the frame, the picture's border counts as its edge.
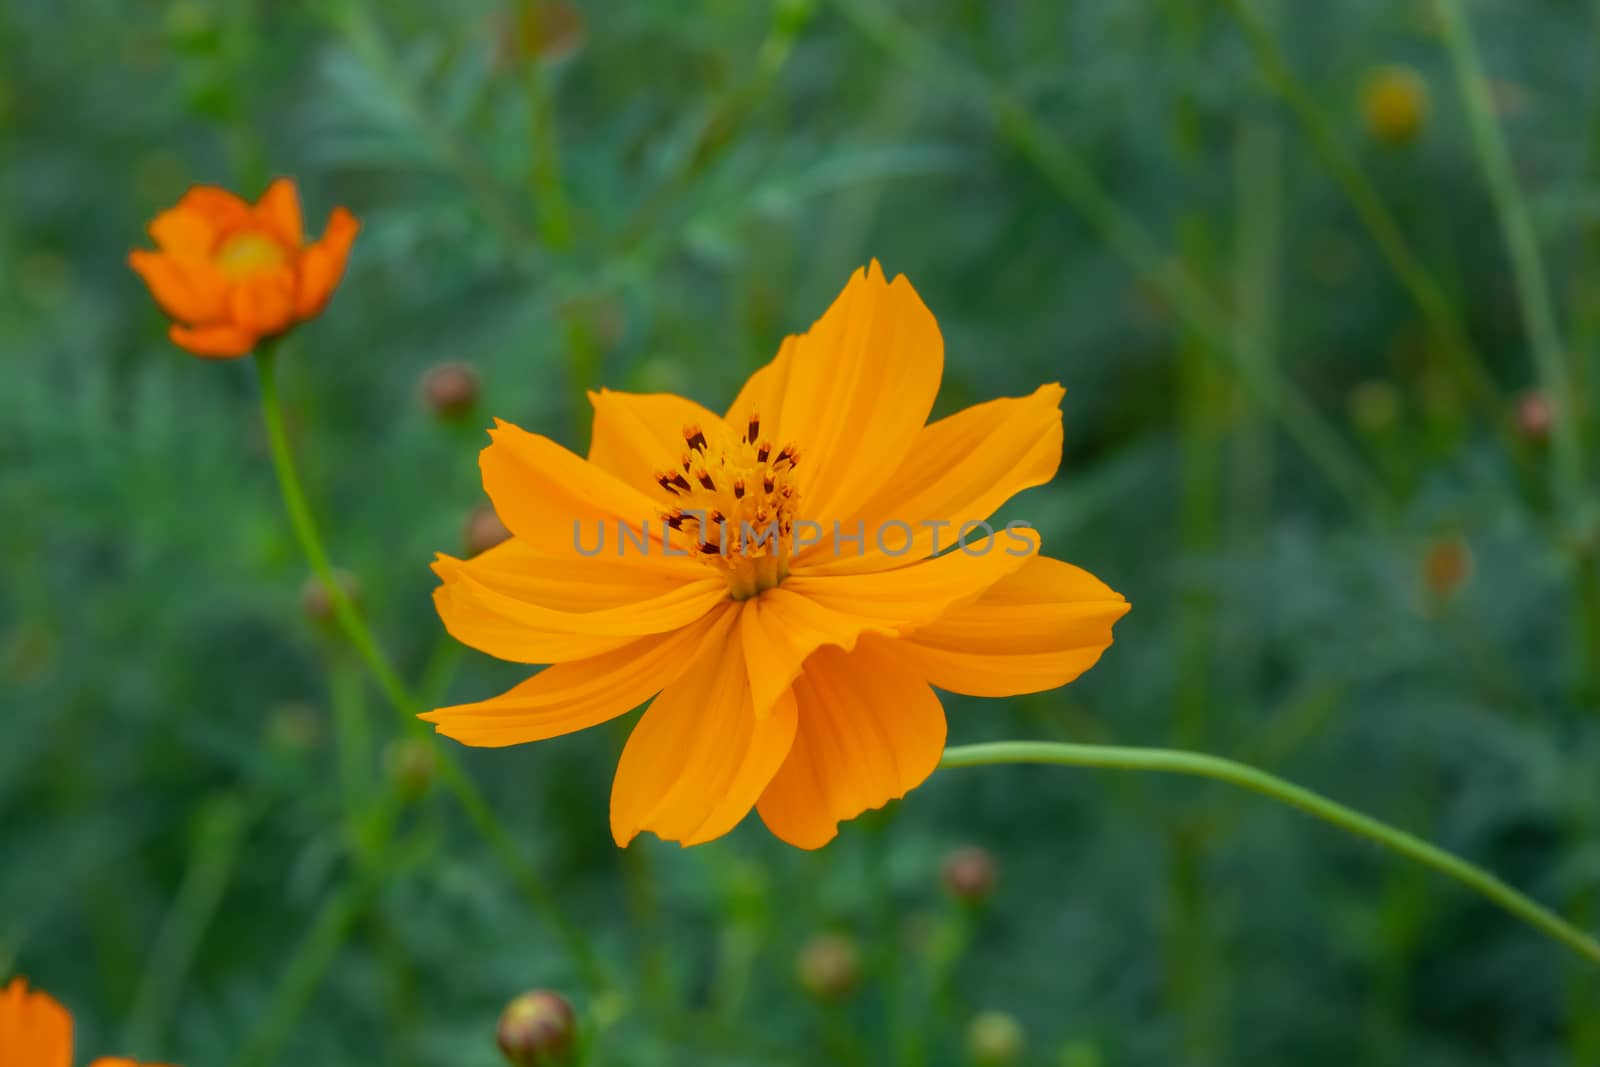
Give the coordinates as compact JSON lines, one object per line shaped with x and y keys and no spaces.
{"x":1293,"y":353}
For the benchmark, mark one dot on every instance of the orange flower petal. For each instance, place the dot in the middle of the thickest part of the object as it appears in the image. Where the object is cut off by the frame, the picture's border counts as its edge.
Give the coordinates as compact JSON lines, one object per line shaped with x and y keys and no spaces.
{"x":279,"y":210}
{"x":35,"y":1030}
{"x":637,"y":435}
{"x":557,"y":502}
{"x":785,"y":625}
{"x":213,"y":342}
{"x":184,"y":233}
{"x":869,"y":730}
{"x":262,"y":304}
{"x":222,"y":209}
{"x":961,"y":470}
{"x":699,"y":758}
{"x":531,"y":609}
{"x":852,"y":392}
{"x":579,"y":694}
{"x":1033,"y":630}
{"x":321,"y":265}
{"x":187,"y":290}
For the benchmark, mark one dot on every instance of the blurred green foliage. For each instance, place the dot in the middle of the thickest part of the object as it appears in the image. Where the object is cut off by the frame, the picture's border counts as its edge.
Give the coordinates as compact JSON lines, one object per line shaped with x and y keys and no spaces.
{"x":650,"y":201}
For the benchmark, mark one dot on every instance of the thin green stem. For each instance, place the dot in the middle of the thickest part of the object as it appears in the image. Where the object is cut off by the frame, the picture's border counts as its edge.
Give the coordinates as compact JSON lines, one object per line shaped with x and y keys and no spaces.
{"x":1403,"y":261}
{"x":222,"y":829}
{"x":323,"y":940}
{"x":1522,"y":245}
{"x":360,"y":637}
{"x":554,"y":214}
{"x":1172,"y":761}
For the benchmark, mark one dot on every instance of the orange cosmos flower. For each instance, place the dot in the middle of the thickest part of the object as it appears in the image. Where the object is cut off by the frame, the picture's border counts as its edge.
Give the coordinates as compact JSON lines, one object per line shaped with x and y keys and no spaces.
{"x":36,"y":1031}
{"x":792,"y":674}
{"x":231,"y":273}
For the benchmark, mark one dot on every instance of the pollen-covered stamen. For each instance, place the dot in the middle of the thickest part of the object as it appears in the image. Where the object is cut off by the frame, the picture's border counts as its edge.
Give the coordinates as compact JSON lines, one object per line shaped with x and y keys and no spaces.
{"x":734,"y":505}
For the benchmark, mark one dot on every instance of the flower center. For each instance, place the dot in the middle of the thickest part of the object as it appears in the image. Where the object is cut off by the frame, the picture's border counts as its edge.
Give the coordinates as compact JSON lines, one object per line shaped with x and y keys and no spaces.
{"x":735,"y":499}
{"x":248,"y":253}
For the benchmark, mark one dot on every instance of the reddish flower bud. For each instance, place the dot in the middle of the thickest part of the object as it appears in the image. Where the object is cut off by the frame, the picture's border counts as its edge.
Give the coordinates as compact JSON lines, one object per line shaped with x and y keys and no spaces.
{"x":1535,"y":416}
{"x":1446,"y":566}
{"x":538,"y":1029}
{"x":317,"y":602}
{"x":829,"y":966}
{"x":969,"y":874}
{"x":450,"y":390}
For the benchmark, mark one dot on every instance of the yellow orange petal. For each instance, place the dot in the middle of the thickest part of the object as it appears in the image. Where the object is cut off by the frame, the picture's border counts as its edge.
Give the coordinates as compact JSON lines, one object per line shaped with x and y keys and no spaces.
{"x":1033,"y":630}
{"x":279,"y":210}
{"x":262,"y":304}
{"x":557,"y":502}
{"x":35,"y":1030}
{"x":222,"y":209}
{"x":519,"y":606}
{"x":698,"y":758}
{"x":868,"y":730}
{"x":184,"y":233}
{"x":638,"y":434}
{"x":187,"y":290}
{"x":785,"y":625}
{"x":961,"y":470}
{"x":851,"y":392}
{"x":321,"y":265}
{"x":780,"y":628}
{"x":223,"y":341}
{"x":576,"y":695}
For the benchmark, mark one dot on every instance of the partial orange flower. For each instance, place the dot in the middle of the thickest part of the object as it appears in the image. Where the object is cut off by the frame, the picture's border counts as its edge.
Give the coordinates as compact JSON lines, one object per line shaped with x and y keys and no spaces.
{"x":230,"y":274}
{"x":792,"y":674}
{"x":36,"y":1031}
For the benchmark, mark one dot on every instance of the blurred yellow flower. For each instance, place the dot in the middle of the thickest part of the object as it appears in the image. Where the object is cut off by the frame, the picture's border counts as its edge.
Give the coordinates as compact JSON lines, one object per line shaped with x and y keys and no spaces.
{"x":36,"y":1031}
{"x":1394,"y":104}
{"x":230,"y":274}
{"x":794,"y":661}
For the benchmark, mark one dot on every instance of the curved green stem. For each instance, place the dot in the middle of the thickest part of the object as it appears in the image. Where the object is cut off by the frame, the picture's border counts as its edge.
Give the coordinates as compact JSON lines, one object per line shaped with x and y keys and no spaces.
{"x":1172,"y":761}
{"x":360,"y":637}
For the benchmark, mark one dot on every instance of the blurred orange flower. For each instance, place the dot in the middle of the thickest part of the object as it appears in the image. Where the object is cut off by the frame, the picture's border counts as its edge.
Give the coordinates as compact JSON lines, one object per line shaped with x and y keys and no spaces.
{"x":230,"y":273}
{"x":795,"y":674}
{"x":36,"y":1031}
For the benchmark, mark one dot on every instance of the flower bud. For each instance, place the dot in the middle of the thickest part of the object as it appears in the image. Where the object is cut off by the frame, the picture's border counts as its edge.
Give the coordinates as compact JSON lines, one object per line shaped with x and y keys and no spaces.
{"x":1394,"y":104}
{"x":969,"y":874}
{"x":538,"y":1029}
{"x":829,"y":966}
{"x":317,"y":602}
{"x":1374,"y":406}
{"x":412,"y":764}
{"x":450,"y":390}
{"x":548,"y":30}
{"x":1446,"y":566}
{"x":484,"y":530}
{"x":1535,"y":416}
{"x":994,"y":1039}
{"x":294,"y":727}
